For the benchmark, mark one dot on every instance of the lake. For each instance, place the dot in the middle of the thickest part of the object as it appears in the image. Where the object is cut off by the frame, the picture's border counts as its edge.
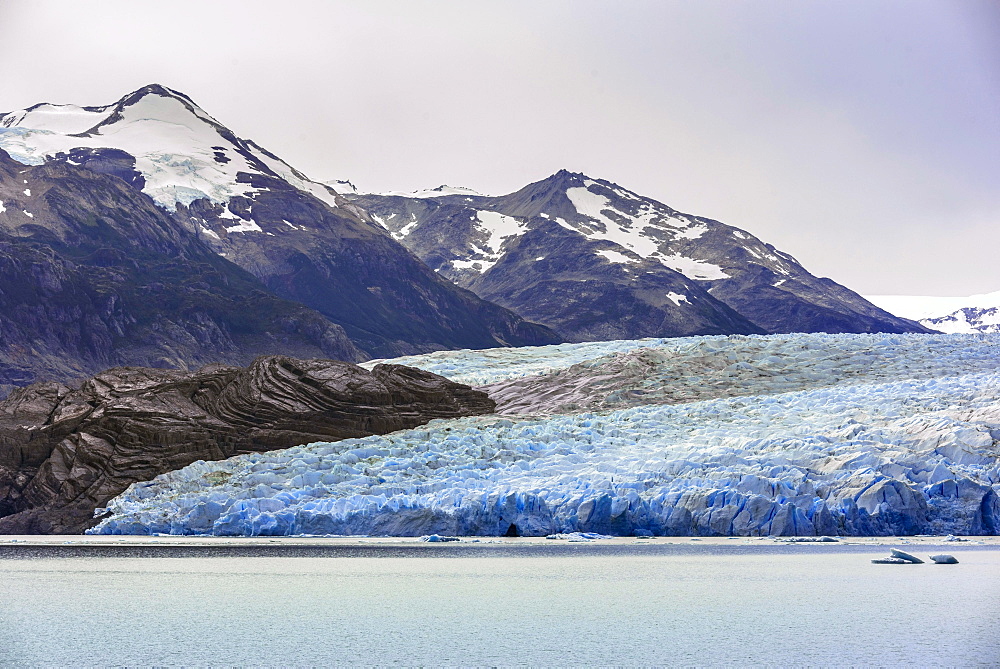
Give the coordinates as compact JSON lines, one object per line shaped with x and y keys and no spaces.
{"x":580,"y":604}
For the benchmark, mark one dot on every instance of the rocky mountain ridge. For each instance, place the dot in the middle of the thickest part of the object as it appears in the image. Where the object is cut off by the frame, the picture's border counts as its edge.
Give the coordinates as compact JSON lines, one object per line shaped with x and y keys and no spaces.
{"x":298,"y":238}
{"x":595,"y":261}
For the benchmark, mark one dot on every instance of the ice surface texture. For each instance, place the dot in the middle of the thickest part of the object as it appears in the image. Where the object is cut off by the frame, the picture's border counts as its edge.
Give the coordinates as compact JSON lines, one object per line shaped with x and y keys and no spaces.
{"x":915,"y":452}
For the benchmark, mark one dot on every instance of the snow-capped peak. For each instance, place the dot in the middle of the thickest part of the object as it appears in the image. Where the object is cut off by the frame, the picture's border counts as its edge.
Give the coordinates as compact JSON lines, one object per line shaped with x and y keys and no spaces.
{"x":182,"y":153}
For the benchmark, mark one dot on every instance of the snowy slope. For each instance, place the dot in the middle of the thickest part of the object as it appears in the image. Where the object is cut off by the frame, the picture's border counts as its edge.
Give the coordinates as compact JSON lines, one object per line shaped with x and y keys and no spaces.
{"x":903,"y":455}
{"x":975,"y":313}
{"x":182,"y":153}
{"x":595,"y":261}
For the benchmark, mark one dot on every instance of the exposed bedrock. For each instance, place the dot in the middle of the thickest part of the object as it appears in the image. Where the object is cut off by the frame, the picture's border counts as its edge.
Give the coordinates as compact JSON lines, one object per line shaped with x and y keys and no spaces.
{"x":66,"y":452}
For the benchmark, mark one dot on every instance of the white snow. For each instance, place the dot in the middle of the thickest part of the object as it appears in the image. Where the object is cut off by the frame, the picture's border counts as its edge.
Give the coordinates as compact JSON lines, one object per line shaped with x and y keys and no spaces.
{"x":499,"y":228}
{"x":477,"y":265}
{"x":694,"y":269}
{"x":66,"y":119}
{"x":209,"y":232}
{"x":440,"y":191}
{"x":917,"y":307}
{"x":342,"y":186}
{"x":244,"y":226}
{"x":171,"y":142}
{"x":677,"y":298}
{"x":953,"y":315}
{"x":615,"y":257}
{"x":692,"y":232}
{"x":593,"y":205}
{"x":406,"y":229}
{"x":634,"y":232}
{"x":494,"y":230}
{"x":911,"y":452}
{"x":967,"y":320}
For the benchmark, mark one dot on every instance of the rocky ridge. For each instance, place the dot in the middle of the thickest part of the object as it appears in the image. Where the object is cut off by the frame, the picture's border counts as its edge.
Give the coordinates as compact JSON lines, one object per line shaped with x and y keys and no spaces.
{"x":595,"y":261}
{"x":65,"y":452}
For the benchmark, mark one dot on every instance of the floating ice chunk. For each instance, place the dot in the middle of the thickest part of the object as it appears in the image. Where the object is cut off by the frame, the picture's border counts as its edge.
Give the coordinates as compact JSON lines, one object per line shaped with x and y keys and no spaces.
{"x":903,"y":555}
{"x":944,"y":559}
{"x":437,"y":538}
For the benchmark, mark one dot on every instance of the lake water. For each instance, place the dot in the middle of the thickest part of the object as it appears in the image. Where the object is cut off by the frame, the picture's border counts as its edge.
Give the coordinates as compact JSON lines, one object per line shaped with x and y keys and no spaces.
{"x":640,"y":605}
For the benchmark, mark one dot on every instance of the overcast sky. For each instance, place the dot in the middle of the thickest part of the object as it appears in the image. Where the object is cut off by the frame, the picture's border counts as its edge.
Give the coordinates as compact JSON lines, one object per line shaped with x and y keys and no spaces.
{"x":862,"y":137}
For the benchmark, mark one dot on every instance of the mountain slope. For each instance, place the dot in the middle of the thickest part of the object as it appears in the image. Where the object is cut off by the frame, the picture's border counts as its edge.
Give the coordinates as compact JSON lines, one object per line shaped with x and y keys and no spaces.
{"x":571,"y":245}
{"x":93,"y":274}
{"x":298,"y":237}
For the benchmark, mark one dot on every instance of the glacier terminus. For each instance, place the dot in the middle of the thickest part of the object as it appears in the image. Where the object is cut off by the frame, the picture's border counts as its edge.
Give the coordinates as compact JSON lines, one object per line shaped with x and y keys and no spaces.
{"x":876,"y":435}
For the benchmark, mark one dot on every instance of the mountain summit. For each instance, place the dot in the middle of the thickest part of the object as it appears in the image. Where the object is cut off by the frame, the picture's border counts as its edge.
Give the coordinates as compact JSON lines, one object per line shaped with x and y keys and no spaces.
{"x":182,"y":153}
{"x":195,"y":182}
{"x":593,"y":260}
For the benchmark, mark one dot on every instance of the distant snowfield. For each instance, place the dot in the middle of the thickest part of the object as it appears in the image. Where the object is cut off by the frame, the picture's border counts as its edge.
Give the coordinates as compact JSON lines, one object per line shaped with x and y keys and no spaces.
{"x":909,"y":446}
{"x":916,"y":307}
{"x":953,"y":315}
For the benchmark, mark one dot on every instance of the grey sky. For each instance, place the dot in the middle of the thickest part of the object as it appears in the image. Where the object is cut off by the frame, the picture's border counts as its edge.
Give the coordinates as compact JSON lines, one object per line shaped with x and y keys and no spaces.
{"x":863,"y":137}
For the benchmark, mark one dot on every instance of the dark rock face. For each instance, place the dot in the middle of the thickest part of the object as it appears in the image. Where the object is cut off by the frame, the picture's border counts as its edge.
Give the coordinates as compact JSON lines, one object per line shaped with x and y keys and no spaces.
{"x":64,"y":452}
{"x":345,"y":266}
{"x":594,"y":261}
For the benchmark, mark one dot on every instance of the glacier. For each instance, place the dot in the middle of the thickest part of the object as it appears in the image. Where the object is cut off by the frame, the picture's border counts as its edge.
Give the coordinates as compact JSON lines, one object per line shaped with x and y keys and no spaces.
{"x":885,"y":435}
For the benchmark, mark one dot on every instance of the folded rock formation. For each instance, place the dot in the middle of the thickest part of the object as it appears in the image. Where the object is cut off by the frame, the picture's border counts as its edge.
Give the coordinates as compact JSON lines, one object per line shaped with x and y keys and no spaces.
{"x":65,"y":452}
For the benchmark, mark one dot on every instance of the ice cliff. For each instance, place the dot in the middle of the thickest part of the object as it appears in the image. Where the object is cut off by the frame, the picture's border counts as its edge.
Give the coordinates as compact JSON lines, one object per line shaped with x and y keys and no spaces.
{"x":879,"y":435}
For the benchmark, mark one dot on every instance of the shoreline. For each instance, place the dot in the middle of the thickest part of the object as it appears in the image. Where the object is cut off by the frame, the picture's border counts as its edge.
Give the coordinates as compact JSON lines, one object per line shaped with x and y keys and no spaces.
{"x":114,"y":546}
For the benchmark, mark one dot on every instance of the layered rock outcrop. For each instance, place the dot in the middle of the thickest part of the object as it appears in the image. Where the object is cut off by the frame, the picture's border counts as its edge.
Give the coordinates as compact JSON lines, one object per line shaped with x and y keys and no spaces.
{"x":66,"y":452}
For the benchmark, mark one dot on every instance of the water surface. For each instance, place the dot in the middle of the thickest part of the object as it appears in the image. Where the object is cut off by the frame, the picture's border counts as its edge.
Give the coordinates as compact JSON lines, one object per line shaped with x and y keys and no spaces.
{"x":708,"y":606}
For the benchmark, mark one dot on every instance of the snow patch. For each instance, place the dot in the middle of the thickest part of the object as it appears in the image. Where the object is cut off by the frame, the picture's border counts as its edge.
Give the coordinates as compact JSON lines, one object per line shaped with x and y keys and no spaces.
{"x":677,"y":298}
{"x":615,"y":257}
{"x":593,"y":205}
{"x":694,"y":269}
{"x":210,"y":233}
{"x":440,"y":191}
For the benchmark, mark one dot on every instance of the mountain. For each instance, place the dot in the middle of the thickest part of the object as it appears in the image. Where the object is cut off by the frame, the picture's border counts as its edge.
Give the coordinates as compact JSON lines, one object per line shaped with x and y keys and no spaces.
{"x":93,"y":274}
{"x":595,"y":261}
{"x":298,"y":238}
{"x":975,"y":313}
